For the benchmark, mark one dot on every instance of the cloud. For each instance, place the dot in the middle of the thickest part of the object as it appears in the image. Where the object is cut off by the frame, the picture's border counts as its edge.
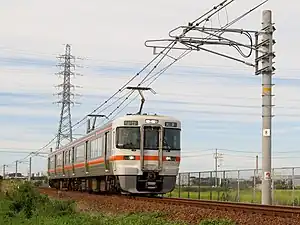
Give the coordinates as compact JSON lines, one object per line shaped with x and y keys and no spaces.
{"x":23,"y":61}
{"x":218,"y":100}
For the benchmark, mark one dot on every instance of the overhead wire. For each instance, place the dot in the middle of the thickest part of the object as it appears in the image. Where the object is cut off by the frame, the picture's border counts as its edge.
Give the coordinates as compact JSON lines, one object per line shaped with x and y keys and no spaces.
{"x":114,"y":102}
{"x":222,"y":31}
{"x":174,"y":42}
{"x":122,"y":88}
{"x":156,"y":76}
{"x":142,"y":62}
{"x":145,"y":78}
{"x":117,"y":92}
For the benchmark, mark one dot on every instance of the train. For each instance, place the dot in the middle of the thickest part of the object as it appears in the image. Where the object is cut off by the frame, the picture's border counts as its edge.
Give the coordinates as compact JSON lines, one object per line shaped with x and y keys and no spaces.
{"x":132,"y":154}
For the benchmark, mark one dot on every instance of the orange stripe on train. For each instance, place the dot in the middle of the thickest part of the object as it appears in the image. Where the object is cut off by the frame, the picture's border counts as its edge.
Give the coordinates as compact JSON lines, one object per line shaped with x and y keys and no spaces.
{"x":112,"y":158}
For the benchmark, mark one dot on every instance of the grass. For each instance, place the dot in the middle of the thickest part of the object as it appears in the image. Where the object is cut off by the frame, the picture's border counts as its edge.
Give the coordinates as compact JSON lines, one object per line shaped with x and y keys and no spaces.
{"x":281,"y":197}
{"x":23,"y":204}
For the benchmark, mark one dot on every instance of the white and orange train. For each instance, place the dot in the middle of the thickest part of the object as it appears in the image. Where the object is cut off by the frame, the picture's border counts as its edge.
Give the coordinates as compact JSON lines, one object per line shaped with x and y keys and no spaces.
{"x":134,"y":154}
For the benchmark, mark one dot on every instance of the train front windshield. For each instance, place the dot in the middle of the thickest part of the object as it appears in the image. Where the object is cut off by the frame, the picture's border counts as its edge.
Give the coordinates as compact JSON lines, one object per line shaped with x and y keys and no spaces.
{"x":171,"y":138}
{"x":128,"y":137}
{"x":151,"y":138}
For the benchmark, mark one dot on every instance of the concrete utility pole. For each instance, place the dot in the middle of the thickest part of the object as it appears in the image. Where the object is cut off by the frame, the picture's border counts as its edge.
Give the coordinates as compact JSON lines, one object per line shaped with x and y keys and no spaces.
{"x":267,"y":72}
{"x":217,"y":156}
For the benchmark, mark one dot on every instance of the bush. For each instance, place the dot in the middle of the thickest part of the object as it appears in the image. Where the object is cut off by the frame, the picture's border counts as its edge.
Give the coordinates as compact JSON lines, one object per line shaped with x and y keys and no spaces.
{"x":22,"y":198}
{"x":38,"y":183}
{"x":25,"y":199}
{"x":25,"y":205}
{"x":58,"y":208}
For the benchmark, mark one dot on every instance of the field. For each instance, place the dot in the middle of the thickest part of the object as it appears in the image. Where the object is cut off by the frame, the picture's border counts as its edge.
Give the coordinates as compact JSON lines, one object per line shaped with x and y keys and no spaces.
{"x":21,"y":203}
{"x":280,"y":197}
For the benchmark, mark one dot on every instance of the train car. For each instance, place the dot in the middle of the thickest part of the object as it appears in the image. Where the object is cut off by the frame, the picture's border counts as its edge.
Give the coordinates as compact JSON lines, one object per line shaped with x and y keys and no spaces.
{"x":136,"y":154}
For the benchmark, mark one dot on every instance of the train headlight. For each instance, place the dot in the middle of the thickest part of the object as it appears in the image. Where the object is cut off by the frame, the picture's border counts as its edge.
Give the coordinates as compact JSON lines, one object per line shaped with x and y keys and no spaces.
{"x":129,"y":157}
{"x":151,"y":121}
{"x":170,"y":158}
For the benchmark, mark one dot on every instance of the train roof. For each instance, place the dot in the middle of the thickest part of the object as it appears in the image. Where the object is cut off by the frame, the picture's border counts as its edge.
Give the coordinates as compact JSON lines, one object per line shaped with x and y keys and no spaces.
{"x":145,"y":116}
{"x":109,"y":123}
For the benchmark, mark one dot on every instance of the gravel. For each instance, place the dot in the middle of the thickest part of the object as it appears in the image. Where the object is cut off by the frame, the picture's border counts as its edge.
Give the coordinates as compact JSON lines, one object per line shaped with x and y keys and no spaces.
{"x":193,"y":215}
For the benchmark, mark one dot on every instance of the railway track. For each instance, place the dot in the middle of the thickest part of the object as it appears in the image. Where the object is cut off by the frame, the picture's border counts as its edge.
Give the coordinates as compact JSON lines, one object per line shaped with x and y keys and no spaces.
{"x":270,"y":210}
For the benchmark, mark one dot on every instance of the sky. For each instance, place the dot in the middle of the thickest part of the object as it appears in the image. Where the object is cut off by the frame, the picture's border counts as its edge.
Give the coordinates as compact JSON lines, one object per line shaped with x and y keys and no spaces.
{"x":218,"y":100}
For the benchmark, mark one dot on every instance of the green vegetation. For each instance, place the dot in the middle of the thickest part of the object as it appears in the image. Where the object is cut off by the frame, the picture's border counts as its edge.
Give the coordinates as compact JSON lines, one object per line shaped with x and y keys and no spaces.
{"x":23,"y":204}
{"x":217,"y":222}
{"x":281,"y":196}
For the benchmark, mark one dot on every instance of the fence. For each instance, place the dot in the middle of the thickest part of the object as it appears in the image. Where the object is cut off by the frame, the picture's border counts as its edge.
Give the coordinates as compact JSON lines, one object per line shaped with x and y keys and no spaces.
{"x":239,"y":186}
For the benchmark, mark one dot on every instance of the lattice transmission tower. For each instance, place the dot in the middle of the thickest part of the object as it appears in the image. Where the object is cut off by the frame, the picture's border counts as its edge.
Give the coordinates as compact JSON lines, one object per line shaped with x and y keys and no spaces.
{"x":67,"y":63}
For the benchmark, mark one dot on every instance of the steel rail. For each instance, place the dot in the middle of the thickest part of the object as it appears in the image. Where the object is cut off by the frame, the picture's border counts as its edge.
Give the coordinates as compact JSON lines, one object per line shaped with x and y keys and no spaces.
{"x":270,"y":210}
{"x":273,"y":210}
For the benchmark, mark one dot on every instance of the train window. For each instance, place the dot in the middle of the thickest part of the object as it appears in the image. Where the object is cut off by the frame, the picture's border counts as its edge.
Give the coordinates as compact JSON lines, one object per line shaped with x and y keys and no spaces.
{"x":52,"y":162}
{"x":128,"y":137}
{"x":59,"y":159}
{"x":96,"y":147}
{"x":80,"y":153}
{"x":93,"y":148}
{"x":67,"y":157}
{"x":100,"y":146}
{"x":151,"y":138}
{"x":109,"y":137}
{"x":171,"y":139}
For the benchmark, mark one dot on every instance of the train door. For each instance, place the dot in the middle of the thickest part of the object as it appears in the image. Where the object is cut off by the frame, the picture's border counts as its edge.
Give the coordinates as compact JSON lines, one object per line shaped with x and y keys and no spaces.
{"x":151,"y":148}
{"x":113,"y":150}
{"x":86,"y":156}
{"x":49,"y":167}
{"x":64,"y":162}
{"x":106,"y":151}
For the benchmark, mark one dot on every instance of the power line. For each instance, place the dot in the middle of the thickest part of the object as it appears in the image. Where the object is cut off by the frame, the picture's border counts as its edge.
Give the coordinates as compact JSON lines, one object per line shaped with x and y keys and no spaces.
{"x":139,"y":62}
{"x":199,"y":103}
{"x":220,"y":155}
{"x":235,"y":150}
{"x":232,"y":68}
{"x":154,"y":77}
{"x":119,"y":91}
{"x":192,"y":102}
{"x":190,"y":151}
{"x":171,"y":47}
{"x":19,"y":152}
